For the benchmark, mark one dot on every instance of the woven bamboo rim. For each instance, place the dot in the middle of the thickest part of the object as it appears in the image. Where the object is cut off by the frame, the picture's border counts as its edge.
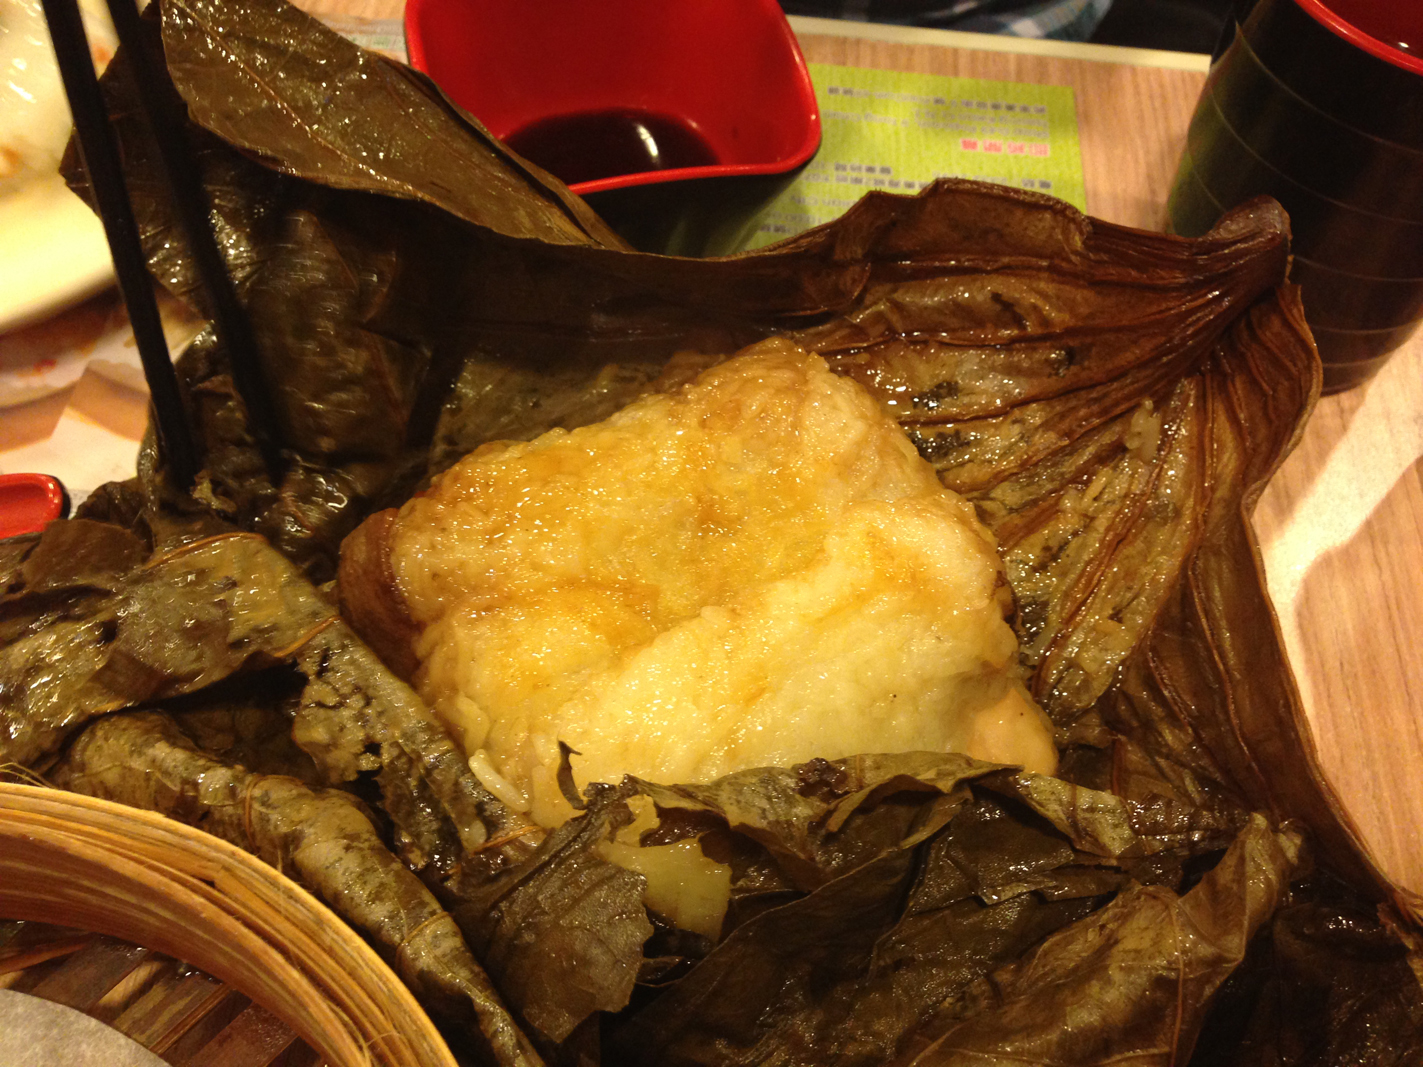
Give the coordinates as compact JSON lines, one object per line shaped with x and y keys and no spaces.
{"x":99,"y":866}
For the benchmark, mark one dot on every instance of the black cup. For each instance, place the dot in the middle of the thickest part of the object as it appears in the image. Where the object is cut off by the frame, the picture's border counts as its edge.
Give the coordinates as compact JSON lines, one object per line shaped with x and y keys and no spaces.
{"x":1297,"y":110}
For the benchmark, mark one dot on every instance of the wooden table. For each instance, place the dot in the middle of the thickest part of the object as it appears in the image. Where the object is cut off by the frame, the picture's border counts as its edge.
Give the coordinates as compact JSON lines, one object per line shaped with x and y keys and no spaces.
{"x":1341,"y":525}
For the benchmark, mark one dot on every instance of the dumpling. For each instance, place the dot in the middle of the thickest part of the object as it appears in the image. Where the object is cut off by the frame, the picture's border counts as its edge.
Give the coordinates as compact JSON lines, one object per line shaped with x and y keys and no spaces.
{"x":34,"y":114}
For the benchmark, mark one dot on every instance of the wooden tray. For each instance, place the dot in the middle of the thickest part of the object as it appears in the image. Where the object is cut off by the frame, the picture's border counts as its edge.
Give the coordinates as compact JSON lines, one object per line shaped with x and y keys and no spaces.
{"x":185,"y":1017}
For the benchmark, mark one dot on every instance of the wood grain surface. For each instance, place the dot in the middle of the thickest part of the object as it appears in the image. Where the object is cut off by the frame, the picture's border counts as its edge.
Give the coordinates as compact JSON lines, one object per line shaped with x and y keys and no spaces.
{"x":1131,"y":119}
{"x":181,"y":1015}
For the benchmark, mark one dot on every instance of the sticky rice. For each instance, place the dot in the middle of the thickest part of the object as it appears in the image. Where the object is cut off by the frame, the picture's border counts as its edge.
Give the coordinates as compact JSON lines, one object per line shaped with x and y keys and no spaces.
{"x":753,"y":571}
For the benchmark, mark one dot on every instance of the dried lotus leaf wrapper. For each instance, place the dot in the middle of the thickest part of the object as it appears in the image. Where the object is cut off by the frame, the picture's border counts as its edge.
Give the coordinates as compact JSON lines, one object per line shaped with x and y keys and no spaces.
{"x":322,"y":838}
{"x":1030,"y":341}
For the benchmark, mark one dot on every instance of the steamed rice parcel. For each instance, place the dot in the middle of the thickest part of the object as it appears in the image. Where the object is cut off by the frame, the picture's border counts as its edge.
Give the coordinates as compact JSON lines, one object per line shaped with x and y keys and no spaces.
{"x":754,"y":571}
{"x":1106,"y":402}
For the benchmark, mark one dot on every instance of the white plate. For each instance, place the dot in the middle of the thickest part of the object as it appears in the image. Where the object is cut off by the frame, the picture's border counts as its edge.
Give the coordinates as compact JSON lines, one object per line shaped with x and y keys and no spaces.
{"x":52,"y":252}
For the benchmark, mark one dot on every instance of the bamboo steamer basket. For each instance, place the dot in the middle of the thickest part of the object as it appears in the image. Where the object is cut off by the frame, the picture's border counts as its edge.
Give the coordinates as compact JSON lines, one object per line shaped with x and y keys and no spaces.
{"x":80,"y":862}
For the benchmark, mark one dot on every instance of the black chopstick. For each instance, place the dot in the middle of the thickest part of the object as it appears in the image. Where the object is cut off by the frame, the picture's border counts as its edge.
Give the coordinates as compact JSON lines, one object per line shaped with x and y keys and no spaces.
{"x":165,"y":115}
{"x":100,"y":152}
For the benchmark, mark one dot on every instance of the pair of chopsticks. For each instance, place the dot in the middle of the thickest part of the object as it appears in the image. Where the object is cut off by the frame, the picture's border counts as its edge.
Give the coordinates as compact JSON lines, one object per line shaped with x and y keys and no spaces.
{"x":98,"y":148}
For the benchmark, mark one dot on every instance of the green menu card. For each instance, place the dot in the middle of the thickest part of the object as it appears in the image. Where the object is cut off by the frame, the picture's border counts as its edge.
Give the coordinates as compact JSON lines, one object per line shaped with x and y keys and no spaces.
{"x":897,"y":132}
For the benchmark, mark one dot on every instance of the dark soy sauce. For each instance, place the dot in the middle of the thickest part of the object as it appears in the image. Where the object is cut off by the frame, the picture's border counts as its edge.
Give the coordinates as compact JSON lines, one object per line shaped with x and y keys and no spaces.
{"x":589,"y":145}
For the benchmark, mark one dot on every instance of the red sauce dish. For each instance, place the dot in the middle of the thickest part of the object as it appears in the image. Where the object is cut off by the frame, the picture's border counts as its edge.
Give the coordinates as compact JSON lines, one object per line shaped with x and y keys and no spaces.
{"x":619,"y":95}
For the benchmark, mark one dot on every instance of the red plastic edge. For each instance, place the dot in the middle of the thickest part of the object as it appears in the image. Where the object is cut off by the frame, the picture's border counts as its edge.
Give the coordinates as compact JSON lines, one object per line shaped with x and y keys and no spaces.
{"x":29,"y":503}
{"x":1340,"y":27}
{"x":414,"y":41}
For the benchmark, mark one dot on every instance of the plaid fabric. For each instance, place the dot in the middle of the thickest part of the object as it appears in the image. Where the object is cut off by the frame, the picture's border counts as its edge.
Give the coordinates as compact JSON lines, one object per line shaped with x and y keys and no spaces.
{"x":1064,"y":20}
